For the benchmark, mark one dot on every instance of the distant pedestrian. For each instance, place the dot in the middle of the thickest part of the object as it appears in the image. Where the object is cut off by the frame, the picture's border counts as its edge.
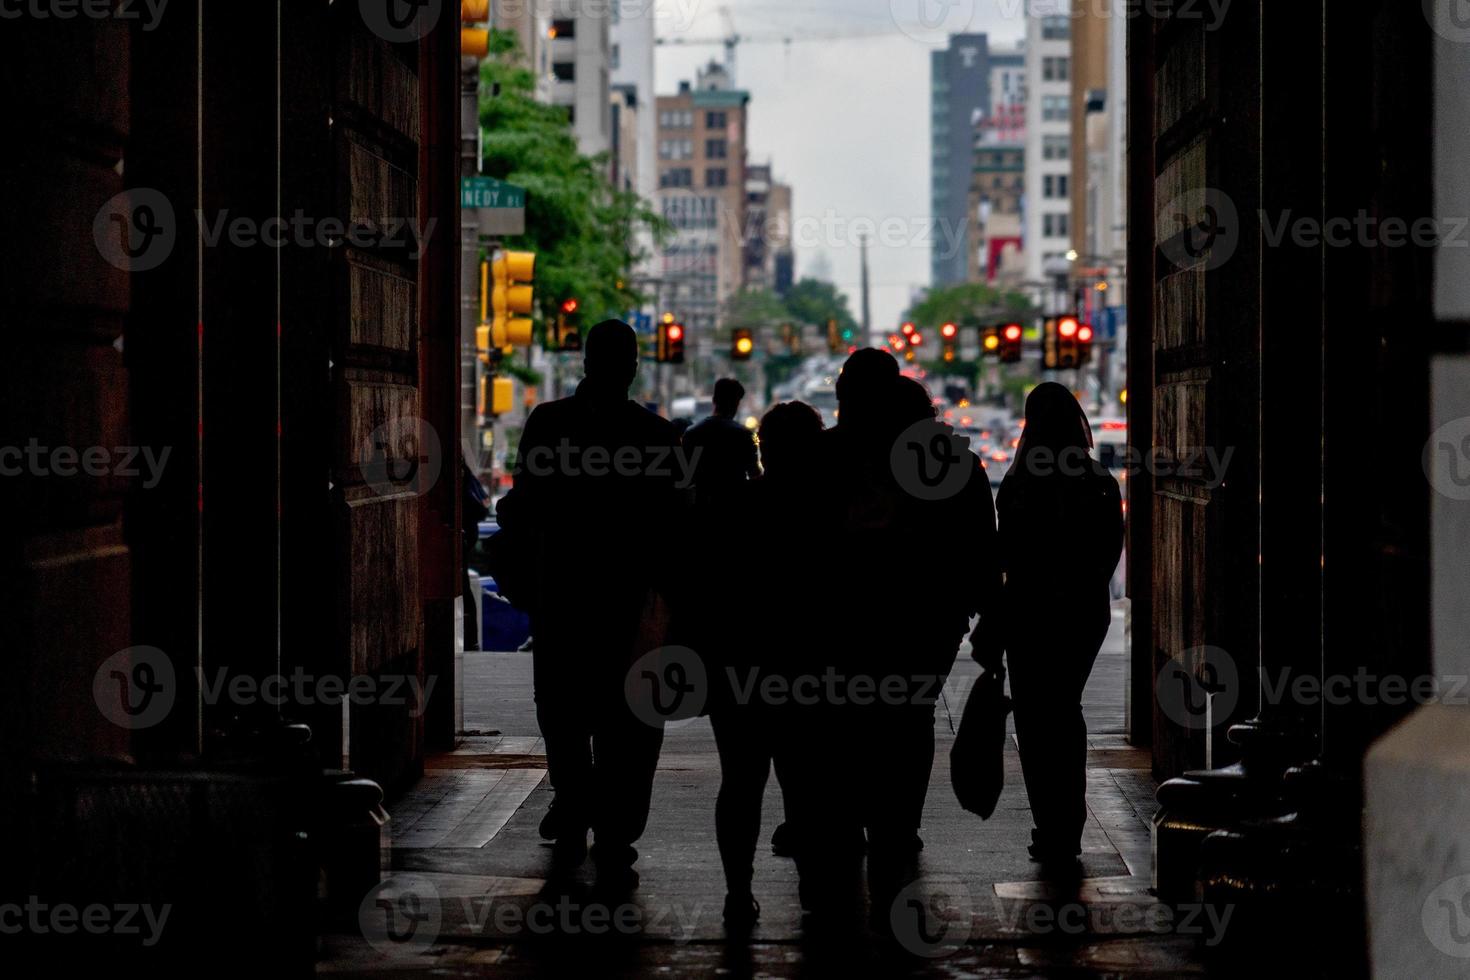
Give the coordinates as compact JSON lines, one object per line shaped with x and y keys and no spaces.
{"x":1061,"y":532}
{"x":721,"y":450}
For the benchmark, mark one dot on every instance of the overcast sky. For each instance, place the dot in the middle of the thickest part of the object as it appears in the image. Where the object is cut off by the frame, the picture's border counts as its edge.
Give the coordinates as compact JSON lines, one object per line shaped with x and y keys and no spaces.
{"x":845,"y":120}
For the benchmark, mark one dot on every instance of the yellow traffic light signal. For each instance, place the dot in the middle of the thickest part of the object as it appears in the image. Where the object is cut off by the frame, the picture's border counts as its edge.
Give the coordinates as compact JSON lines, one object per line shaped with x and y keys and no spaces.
{"x":474,"y":42}
{"x":511,"y":298}
{"x":742,"y":345}
{"x":497,"y":395}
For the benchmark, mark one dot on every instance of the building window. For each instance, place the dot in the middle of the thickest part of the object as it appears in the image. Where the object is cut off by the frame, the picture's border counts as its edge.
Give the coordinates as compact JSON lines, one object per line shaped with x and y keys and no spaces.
{"x":564,"y":71}
{"x":1054,"y":186}
{"x":1056,"y":27}
{"x":1056,"y":108}
{"x":716,"y":177}
{"x":563,"y":27}
{"x":1055,"y":69}
{"x":615,"y":58}
{"x":1056,"y":147}
{"x":716,"y":149}
{"x":676,"y":119}
{"x":1054,"y":225}
{"x":715,"y":120}
{"x":677,"y":177}
{"x":675,"y":149}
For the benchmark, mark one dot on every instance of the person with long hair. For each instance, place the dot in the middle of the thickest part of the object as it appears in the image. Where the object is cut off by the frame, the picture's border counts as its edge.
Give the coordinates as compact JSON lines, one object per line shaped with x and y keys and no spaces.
{"x":1061,"y":532}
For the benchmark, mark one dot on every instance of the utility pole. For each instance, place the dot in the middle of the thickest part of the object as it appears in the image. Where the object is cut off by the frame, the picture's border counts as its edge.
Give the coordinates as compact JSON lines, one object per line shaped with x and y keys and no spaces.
{"x":867,"y":316}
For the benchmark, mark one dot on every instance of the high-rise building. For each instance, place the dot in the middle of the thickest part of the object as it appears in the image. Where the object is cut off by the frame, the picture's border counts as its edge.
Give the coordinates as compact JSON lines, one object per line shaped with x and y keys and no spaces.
{"x":960,"y":97}
{"x":627,"y":116}
{"x":778,"y":224}
{"x":631,"y":67}
{"x":1047,"y":207}
{"x":1099,"y":100}
{"x":578,"y":50}
{"x":701,"y":192}
{"x":998,"y":181}
{"x":767,"y":226}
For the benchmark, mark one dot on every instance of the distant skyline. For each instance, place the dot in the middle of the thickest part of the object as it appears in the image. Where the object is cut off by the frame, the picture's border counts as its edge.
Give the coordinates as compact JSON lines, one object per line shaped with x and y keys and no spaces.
{"x":845,"y":120}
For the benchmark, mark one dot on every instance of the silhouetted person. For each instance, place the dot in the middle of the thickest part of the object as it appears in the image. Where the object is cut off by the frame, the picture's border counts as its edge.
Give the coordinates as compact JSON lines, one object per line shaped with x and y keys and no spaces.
{"x":953,"y":539}
{"x":594,"y":484}
{"x":1061,"y":532}
{"x":854,"y":502}
{"x":721,"y":449}
{"x":754,"y":644}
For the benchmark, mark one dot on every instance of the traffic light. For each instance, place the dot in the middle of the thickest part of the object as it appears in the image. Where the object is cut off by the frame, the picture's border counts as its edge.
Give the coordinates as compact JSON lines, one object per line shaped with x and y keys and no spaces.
{"x":742,"y":345}
{"x":511,"y":298}
{"x":568,"y":326}
{"x":497,"y":395}
{"x":1067,"y":329}
{"x":474,"y":42}
{"x":670,"y":342}
{"x":1010,"y":343}
{"x":1050,"y":351}
{"x":948,"y":333}
{"x":990,"y":342}
{"x":835,"y":342}
{"x":1084,"y":344}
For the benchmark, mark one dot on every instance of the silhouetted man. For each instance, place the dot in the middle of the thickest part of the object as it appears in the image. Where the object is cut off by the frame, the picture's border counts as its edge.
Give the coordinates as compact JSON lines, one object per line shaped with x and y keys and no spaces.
{"x":721,"y":449}
{"x":595,"y":481}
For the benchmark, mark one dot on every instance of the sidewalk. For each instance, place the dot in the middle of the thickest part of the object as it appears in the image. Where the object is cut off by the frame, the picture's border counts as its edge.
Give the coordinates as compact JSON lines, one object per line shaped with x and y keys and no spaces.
{"x":466,"y":849}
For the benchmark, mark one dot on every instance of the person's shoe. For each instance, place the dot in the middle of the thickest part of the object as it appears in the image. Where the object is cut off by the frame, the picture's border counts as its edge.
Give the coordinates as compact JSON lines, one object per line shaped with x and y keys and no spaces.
{"x":568,"y":853}
{"x":741,"y":913}
{"x":783,"y":841}
{"x":559,"y":822}
{"x":616,"y":881}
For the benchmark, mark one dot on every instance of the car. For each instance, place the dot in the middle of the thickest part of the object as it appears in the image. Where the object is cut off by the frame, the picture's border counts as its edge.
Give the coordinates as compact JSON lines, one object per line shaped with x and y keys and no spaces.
{"x":503,"y":627}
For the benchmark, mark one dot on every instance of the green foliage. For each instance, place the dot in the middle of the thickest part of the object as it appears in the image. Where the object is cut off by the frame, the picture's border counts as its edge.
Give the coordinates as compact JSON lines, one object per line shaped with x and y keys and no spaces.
{"x":967,"y":304}
{"x":754,"y":309}
{"x":816,"y":301}
{"x":582,"y":229}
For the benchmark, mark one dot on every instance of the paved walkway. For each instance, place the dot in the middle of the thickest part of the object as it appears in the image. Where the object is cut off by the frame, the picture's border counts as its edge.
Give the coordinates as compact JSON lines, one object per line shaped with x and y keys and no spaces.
{"x":467,"y":855}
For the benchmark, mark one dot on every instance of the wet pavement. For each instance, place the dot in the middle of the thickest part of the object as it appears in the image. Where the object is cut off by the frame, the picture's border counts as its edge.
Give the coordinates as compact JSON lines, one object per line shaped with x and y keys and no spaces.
{"x":468,"y":861}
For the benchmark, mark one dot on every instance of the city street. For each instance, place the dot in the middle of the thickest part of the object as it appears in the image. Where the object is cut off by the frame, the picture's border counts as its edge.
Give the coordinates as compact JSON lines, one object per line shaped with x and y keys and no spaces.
{"x":465,"y":838}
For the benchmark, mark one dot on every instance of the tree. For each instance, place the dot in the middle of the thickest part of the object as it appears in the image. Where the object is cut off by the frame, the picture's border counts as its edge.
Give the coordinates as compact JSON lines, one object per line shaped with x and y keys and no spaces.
{"x":967,"y":304}
{"x":755,"y":309}
{"x":583,"y":230}
{"x":816,"y":301}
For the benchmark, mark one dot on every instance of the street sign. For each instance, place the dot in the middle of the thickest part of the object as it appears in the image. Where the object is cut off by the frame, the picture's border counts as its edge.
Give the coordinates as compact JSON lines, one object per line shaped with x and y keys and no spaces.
{"x":500,"y":208}
{"x":487,"y":192}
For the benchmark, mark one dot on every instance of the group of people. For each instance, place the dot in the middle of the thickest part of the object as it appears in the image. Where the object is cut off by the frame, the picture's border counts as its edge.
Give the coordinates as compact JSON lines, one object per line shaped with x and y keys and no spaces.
{"x":824,"y":579}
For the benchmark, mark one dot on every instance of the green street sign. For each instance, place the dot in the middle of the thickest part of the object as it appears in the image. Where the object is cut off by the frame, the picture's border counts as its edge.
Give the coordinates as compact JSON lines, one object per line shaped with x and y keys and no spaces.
{"x":487,"y":192}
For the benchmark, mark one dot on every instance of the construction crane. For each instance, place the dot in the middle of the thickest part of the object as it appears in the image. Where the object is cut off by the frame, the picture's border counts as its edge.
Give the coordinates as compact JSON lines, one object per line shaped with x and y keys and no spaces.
{"x":734,"y":38}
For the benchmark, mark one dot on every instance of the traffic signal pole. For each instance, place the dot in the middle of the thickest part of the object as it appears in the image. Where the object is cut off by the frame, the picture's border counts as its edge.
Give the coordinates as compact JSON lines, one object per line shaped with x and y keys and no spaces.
{"x":469,"y":256}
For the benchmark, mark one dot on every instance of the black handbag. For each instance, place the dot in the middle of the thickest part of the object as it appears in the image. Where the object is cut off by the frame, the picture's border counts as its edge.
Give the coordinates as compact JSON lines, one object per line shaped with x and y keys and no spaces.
{"x":977,"y":760}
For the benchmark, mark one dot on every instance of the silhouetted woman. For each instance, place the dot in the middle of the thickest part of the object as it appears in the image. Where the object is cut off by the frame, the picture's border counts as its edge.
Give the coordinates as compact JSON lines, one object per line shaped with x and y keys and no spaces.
{"x":1061,"y":531}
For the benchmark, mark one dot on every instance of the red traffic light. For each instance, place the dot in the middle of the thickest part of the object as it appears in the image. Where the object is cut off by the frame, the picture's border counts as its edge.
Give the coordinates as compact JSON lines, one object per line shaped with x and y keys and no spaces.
{"x":948,"y":331}
{"x":915,"y":339}
{"x":907,"y":328}
{"x":675,"y":332}
{"x":569,"y":306}
{"x":1067,"y":326}
{"x":1013,"y":332}
{"x":1084,"y":334}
